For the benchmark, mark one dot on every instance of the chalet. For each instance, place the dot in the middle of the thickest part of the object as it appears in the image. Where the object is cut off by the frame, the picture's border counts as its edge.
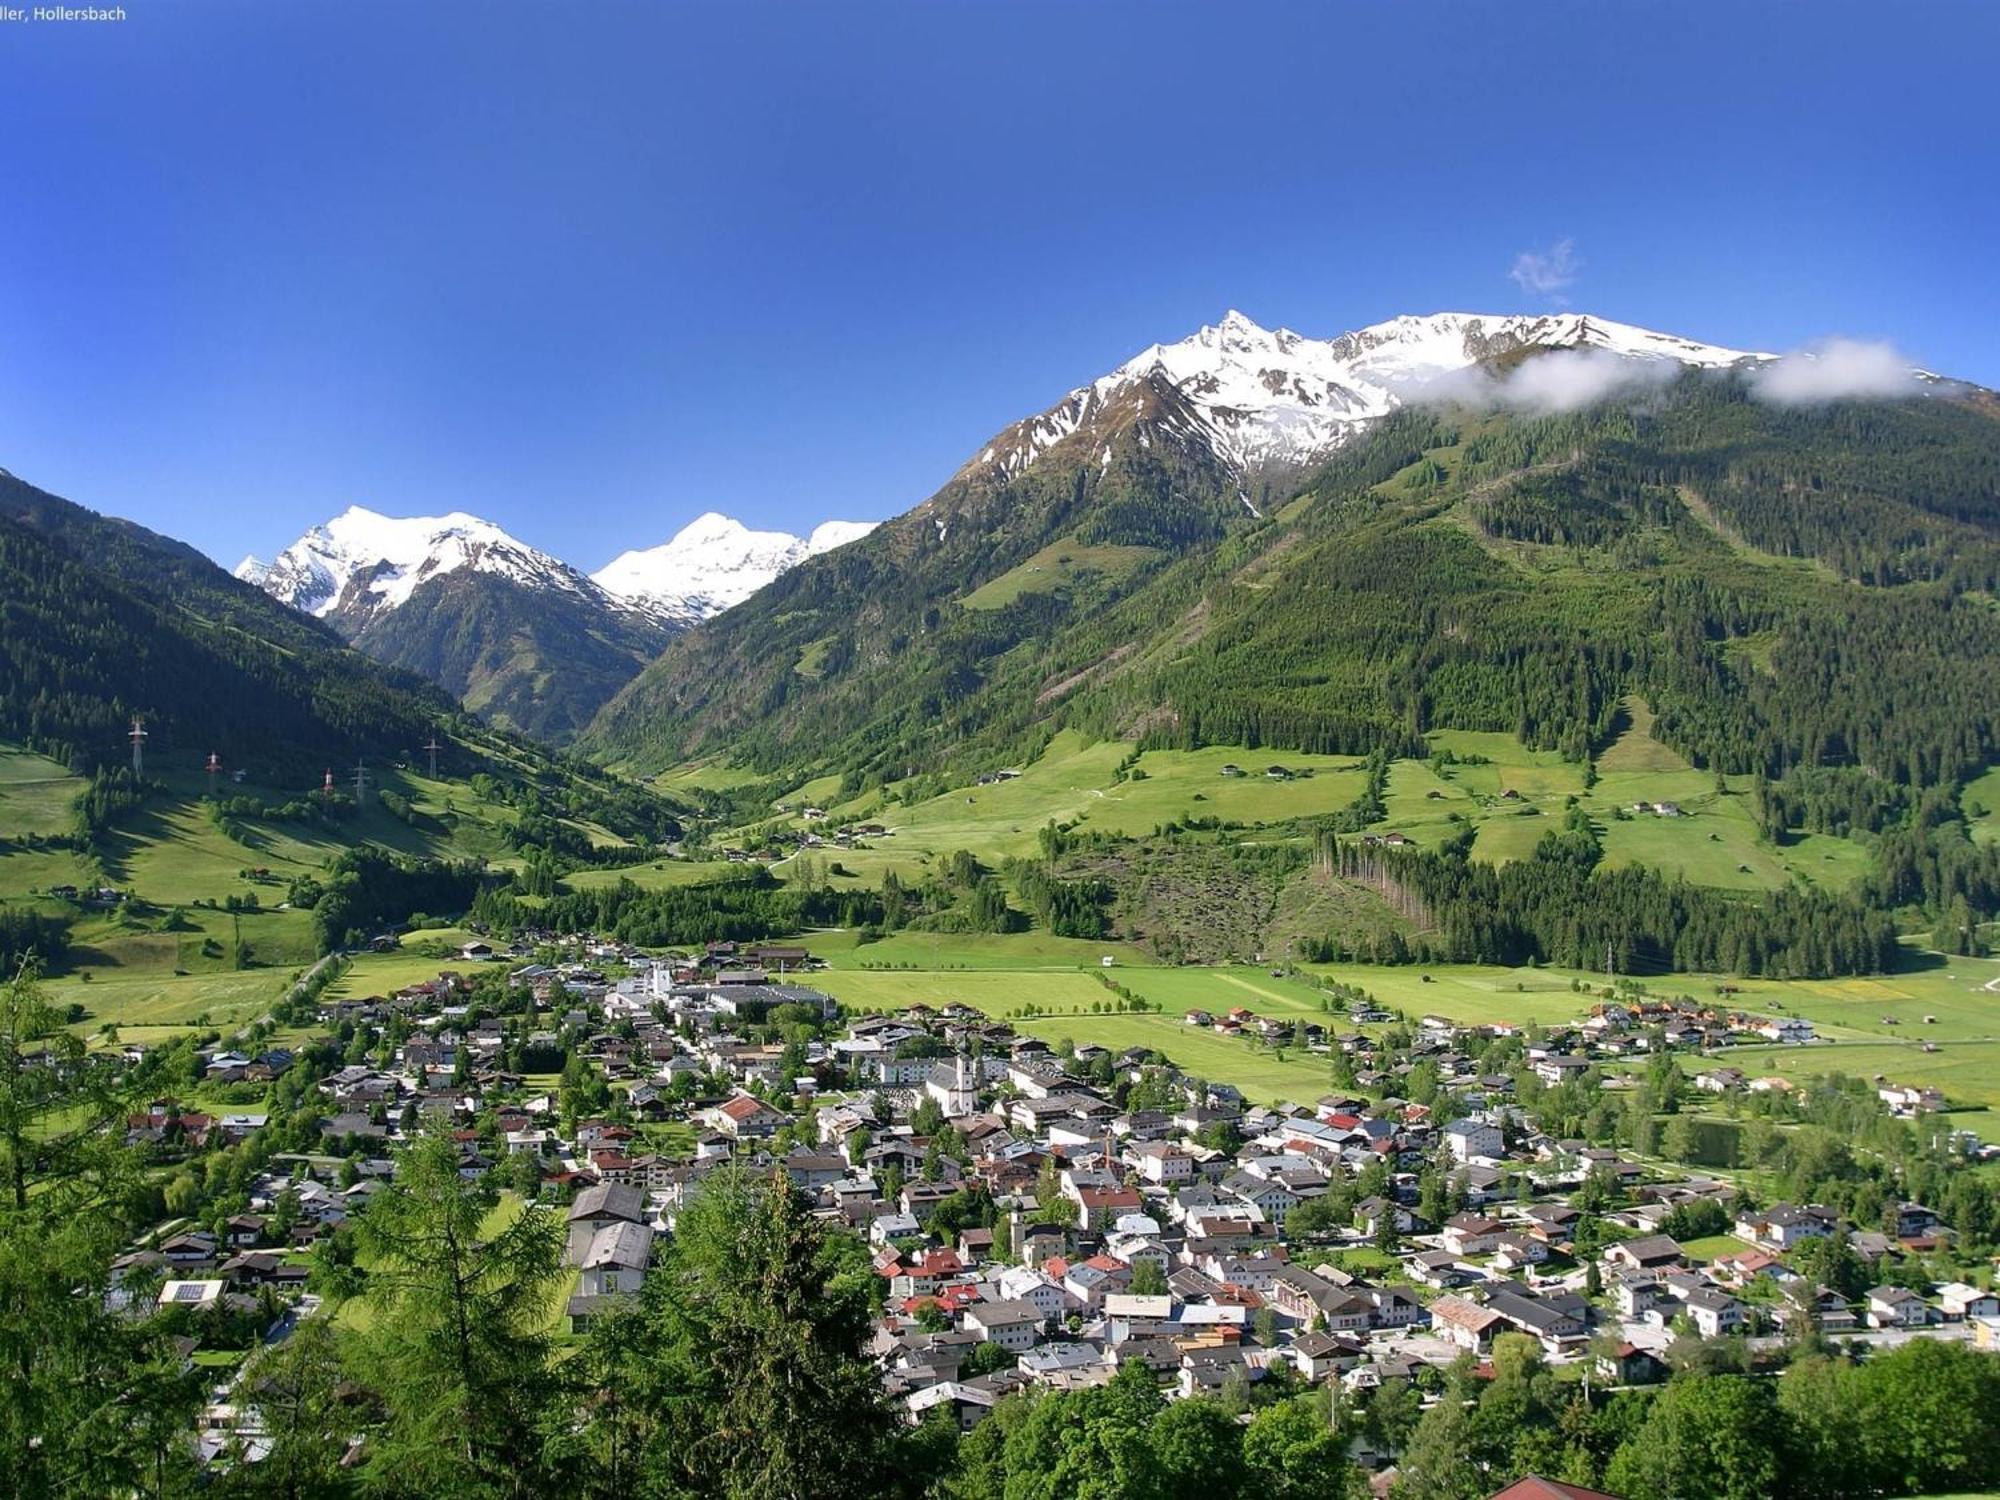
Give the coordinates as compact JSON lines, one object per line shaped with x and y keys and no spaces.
{"x":1015,"y":1326}
{"x":1714,"y":1312}
{"x":1465,"y":1324}
{"x":1897,"y":1307}
{"x":1960,"y":1302}
{"x":744,"y":1118}
{"x":1648,"y":1253}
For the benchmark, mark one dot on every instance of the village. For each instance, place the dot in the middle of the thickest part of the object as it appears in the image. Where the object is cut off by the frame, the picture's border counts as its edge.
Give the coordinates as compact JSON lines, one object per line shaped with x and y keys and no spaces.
{"x":1040,"y":1215}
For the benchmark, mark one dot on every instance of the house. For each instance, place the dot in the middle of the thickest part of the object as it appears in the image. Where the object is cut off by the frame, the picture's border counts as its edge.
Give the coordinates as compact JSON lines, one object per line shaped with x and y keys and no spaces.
{"x":1788,"y":1029}
{"x":195,"y":1294}
{"x":1784,"y":1227}
{"x":1714,"y":1312}
{"x":1648,"y":1253}
{"x":1013,"y":1325}
{"x":744,"y":1118}
{"x":1897,"y":1307}
{"x":1628,"y":1364}
{"x":1465,"y":1324}
{"x":1471,"y":1234}
{"x":1534,"y":1487}
{"x":1960,"y":1302}
{"x":1319,"y":1355}
{"x":615,"y":1260}
{"x":599,"y":1207}
{"x":1551,"y":1319}
{"x":969,"y":1404}
{"x":1469,"y":1140}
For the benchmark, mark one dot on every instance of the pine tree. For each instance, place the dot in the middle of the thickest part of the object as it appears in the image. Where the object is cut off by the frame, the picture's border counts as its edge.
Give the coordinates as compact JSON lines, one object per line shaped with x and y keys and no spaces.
{"x":458,"y":1346}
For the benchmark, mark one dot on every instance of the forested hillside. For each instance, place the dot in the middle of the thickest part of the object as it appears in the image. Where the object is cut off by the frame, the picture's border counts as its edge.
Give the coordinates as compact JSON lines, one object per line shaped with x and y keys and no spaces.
{"x":101,"y":620}
{"x":538,"y":660}
{"x":1804,"y":587}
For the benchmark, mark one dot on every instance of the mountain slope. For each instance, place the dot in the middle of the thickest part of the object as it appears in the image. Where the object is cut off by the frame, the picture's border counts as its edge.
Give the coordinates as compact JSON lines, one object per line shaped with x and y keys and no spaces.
{"x":713,"y":563}
{"x":101,"y":619}
{"x":1544,"y":516}
{"x":515,"y":634}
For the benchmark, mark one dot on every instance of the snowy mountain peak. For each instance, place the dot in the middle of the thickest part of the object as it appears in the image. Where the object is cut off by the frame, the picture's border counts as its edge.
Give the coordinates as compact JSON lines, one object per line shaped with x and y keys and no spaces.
{"x":1264,"y":396}
{"x":711,"y":563}
{"x":362,"y":563}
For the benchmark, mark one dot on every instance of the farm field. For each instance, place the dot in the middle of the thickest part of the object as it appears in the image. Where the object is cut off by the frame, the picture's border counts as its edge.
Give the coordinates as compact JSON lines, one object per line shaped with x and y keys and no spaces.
{"x":996,"y":992}
{"x":1967,"y":1072}
{"x":971,"y":950}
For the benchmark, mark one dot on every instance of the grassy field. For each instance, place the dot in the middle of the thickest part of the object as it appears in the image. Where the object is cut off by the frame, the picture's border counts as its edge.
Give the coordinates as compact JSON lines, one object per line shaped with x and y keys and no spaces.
{"x":154,"y":975}
{"x":35,"y":795}
{"x":1056,"y":567}
{"x":996,"y":992}
{"x":659,"y":875}
{"x":384,"y":973}
{"x":969,"y":950}
{"x":1263,"y":1074}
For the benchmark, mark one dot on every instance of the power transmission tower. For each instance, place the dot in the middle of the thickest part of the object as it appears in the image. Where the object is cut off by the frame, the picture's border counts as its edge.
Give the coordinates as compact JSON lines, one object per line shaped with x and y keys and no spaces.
{"x":434,"y":747}
{"x":360,"y":783}
{"x":214,"y":768}
{"x":138,"y":738}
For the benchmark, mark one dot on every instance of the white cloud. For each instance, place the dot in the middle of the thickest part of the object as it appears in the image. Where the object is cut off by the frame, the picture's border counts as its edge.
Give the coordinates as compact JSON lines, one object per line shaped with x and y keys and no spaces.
{"x":1837,"y":370}
{"x":1547,"y":273}
{"x":1558,"y":380}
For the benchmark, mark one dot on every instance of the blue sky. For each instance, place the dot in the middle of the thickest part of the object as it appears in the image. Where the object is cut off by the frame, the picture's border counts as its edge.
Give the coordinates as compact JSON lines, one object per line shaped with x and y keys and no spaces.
{"x":591,"y":269}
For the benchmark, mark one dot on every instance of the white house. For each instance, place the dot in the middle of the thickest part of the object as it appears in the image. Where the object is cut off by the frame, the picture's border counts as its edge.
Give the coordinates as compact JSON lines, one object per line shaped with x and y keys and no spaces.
{"x":1470,"y":1140}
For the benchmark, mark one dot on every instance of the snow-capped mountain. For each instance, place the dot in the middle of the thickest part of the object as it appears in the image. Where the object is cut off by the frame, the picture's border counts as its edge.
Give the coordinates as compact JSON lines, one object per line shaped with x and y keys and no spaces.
{"x":714,"y":562}
{"x":361,"y":564}
{"x":1258,"y":397}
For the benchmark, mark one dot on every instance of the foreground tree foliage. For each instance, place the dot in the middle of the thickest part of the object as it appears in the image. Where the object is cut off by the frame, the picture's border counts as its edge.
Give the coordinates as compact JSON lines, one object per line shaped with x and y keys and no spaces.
{"x":459,"y":1347}
{"x":740,"y":1369}
{"x":1125,"y":1441}
{"x":91,"y":1402}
